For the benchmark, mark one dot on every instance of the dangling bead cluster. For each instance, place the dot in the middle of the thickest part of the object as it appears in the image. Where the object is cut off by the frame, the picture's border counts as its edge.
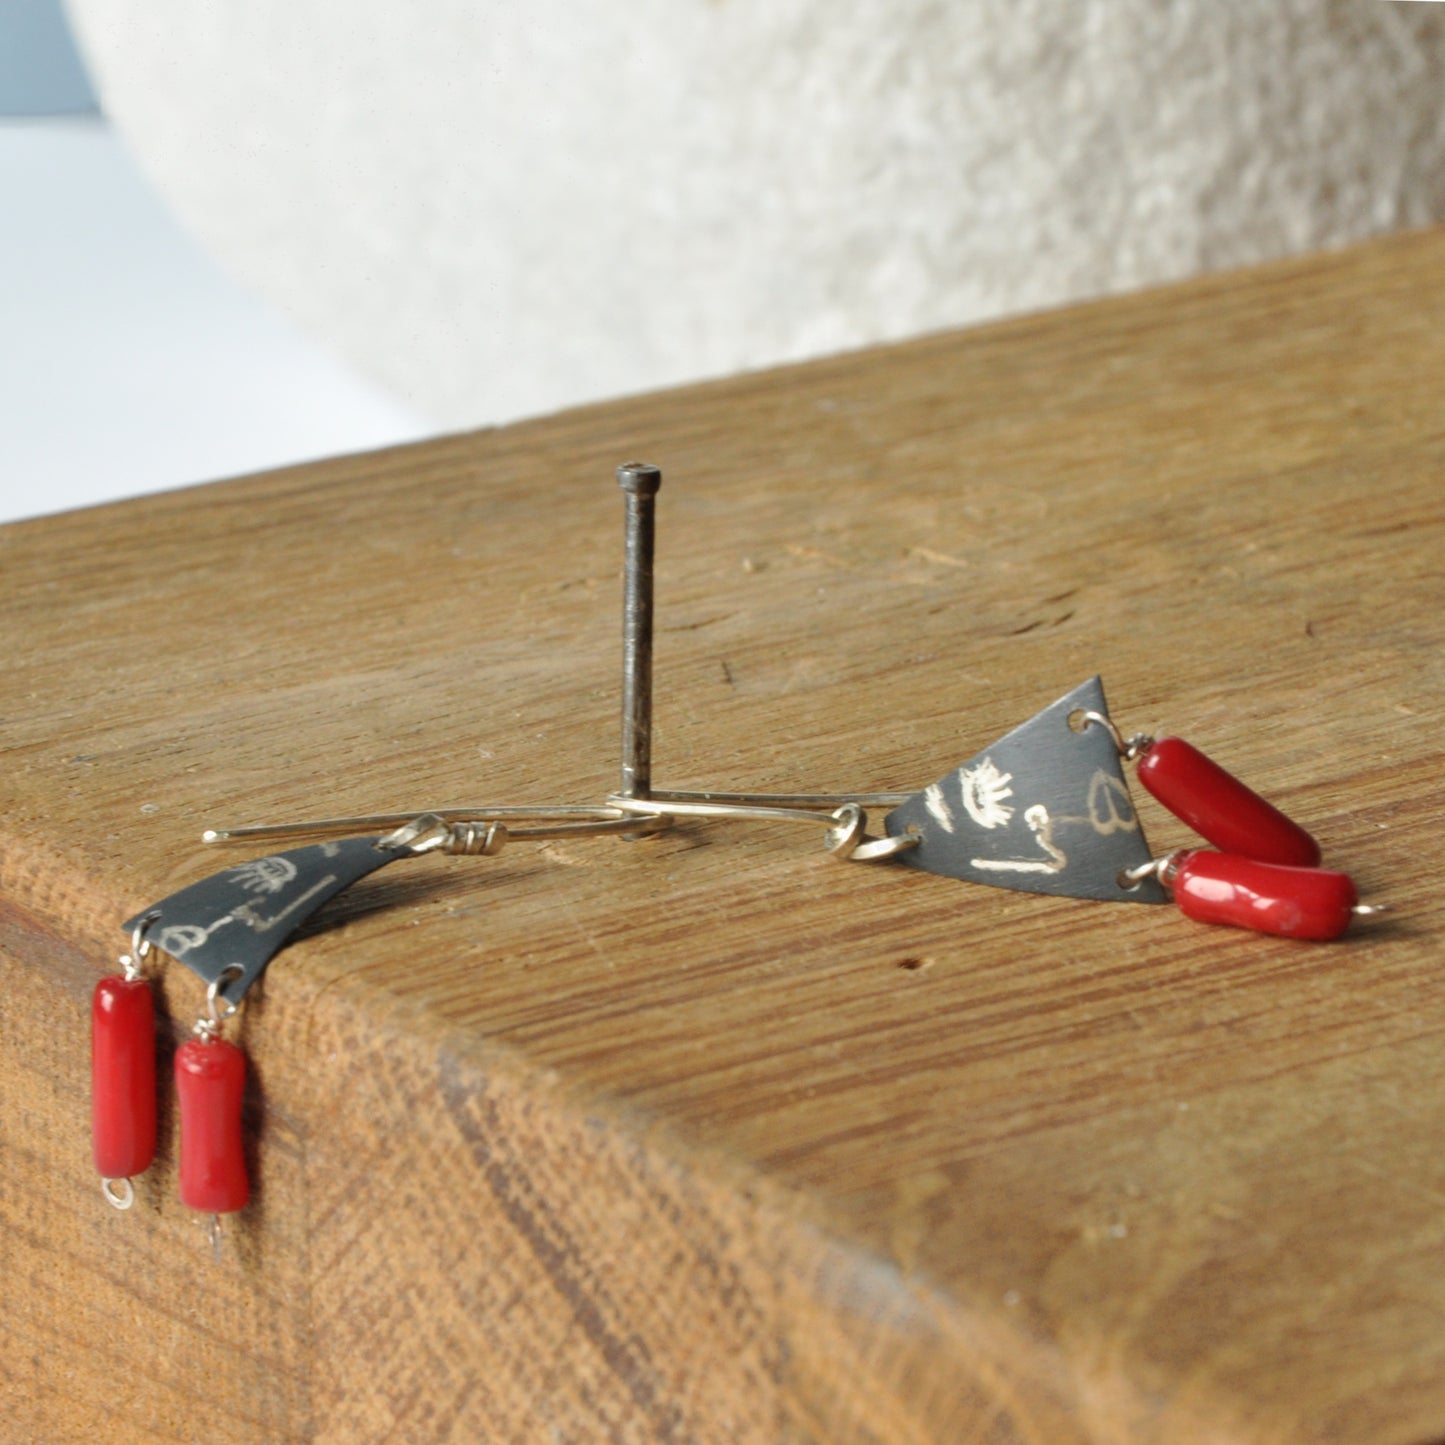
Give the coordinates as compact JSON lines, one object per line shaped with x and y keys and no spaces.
{"x":210,"y":1077}
{"x":1265,"y":874}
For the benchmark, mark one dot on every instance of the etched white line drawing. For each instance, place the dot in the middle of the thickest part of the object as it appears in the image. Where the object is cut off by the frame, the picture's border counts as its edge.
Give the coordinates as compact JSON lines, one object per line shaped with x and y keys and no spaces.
{"x":937,"y":804}
{"x":1037,"y":817}
{"x":984,"y":788}
{"x":264,"y":875}
{"x":1110,"y":808}
{"x":248,"y":915}
{"x":178,"y":939}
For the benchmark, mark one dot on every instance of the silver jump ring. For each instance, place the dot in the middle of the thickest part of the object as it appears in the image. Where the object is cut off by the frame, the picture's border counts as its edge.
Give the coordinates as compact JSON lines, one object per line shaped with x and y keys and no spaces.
{"x":1129,"y":748}
{"x":1165,"y":869}
{"x":119,"y":1193}
{"x":877,"y":850}
{"x":218,"y":1007}
{"x":140,"y":945}
{"x":214,"y":996}
{"x":848,"y":838}
{"x":848,"y":833}
{"x":1130,"y":878}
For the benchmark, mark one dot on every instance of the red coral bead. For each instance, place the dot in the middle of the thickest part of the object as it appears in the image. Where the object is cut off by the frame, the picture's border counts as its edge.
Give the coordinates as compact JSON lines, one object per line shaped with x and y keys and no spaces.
{"x":210,"y":1083}
{"x":123,"y":1076}
{"x":1291,"y":902}
{"x":1221,"y":809}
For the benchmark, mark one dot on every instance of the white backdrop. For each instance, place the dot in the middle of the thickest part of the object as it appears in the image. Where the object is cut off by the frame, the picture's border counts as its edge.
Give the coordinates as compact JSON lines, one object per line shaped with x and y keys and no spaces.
{"x":501,"y":207}
{"x":130,"y":363}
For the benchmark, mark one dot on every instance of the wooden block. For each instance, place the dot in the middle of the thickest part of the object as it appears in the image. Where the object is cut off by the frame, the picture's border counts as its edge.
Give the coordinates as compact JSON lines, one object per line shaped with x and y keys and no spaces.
{"x":710,"y":1137}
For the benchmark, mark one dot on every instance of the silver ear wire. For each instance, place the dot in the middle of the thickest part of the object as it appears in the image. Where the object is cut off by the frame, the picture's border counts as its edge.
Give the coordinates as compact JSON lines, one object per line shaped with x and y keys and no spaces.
{"x":845,"y":821}
{"x":557,"y":820}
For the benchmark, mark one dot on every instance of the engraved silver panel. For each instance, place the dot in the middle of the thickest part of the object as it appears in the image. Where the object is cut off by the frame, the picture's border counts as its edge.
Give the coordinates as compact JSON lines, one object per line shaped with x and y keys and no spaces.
{"x":242,"y":916}
{"x":1045,"y":809}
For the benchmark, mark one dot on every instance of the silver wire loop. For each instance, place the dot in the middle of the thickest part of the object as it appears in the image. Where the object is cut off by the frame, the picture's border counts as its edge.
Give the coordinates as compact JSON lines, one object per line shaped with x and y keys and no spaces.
{"x":218,"y":1007}
{"x":879,"y":850}
{"x":1130,"y":878}
{"x":848,"y":838}
{"x":1129,"y":748}
{"x":1165,"y":869}
{"x":850,"y":828}
{"x":119,"y":1193}
{"x":140,"y":945}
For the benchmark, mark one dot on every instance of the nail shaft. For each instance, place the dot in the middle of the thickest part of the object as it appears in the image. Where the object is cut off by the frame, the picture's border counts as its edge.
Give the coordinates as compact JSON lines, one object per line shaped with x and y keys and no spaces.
{"x":640,"y":483}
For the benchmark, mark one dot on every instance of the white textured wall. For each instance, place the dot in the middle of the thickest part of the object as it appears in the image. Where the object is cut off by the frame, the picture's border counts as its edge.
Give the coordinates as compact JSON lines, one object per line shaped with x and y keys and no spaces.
{"x":504,"y":207}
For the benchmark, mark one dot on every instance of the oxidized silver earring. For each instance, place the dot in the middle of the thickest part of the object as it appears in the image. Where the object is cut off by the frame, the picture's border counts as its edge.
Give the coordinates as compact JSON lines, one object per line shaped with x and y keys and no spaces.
{"x":1044,"y":809}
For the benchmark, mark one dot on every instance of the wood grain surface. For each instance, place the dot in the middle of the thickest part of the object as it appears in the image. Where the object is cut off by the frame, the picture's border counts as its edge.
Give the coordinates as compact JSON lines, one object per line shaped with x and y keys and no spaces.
{"x":711,"y":1137}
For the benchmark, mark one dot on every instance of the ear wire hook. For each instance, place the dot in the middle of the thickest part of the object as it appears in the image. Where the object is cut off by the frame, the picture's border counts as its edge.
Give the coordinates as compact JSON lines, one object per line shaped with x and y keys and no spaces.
{"x":557,"y":819}
{"x":846,"y":835}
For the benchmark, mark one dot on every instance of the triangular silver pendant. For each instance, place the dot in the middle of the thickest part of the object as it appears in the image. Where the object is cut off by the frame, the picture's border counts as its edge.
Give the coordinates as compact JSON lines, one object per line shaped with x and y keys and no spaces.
{"x":1044,"y":810}
{"x":241,"y":917}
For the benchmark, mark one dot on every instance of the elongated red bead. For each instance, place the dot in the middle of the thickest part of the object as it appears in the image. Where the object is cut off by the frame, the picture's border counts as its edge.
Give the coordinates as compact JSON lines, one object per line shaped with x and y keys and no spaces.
{"x":1267,"y":897}
{"x":1221,"y":809}
{"x":123,"y":1076}
{"x":210,"y":1083}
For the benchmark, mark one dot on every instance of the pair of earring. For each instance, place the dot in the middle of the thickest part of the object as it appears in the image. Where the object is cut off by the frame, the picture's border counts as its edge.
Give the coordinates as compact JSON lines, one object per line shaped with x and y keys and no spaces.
{"x":210,"y":1080}
{"x":1045,"y":809}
